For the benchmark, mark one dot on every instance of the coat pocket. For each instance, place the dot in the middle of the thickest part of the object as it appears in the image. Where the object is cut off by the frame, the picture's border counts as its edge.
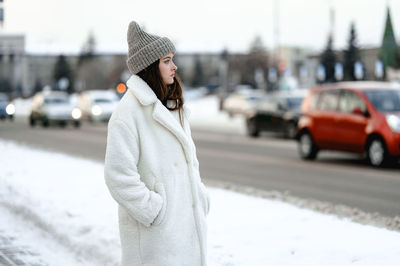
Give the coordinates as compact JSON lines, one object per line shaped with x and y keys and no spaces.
{"x":159,"y":188}
{"x":204,"y":197}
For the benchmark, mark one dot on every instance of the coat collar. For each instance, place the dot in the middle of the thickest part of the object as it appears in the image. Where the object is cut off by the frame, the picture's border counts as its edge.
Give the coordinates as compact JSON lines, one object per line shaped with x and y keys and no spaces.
{"x":145,"y":95}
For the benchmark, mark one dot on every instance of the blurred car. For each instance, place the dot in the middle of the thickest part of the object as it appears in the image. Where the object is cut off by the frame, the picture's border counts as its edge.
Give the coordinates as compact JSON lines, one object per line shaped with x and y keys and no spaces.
{"x":7,"y":108}
{"x":53,"y":107}
{"x":358,"y":117}
{"x":276,"y":112}
{"x":97,"y":105}
{"x":241,"y":102}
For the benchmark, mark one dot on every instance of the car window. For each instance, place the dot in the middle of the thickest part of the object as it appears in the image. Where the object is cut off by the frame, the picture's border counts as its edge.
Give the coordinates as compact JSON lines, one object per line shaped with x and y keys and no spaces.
{"x":384,"y":100}
{"x":314,"y":99}
{"x":294,"y":102}
{"x":349,"y":101}
{"x":328,"y":101}
{"x":55,"y":101}
{"x":103,"y":100}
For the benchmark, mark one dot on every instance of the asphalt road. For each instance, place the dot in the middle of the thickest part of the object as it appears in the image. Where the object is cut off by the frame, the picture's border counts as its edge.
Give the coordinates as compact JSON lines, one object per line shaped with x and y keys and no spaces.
{"x":268,"y":163}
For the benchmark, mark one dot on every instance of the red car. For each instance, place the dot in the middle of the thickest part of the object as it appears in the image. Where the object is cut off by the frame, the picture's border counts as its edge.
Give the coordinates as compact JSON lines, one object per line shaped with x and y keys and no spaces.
{"x":359,"y":117}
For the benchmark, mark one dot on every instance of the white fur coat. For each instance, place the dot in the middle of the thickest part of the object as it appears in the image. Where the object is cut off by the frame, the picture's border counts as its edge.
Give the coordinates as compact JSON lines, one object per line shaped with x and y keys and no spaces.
{"x":152,"y":171}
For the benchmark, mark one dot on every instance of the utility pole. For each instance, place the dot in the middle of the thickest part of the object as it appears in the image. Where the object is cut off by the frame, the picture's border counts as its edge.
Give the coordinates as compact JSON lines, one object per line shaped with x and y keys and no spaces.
{"x":1,"y":14}
{"x":276,"y":54}
{"x":332,"y":20}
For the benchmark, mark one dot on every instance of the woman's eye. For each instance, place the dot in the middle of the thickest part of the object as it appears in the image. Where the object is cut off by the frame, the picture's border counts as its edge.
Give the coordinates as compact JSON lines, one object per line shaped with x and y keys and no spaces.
{"x":166,"y":61}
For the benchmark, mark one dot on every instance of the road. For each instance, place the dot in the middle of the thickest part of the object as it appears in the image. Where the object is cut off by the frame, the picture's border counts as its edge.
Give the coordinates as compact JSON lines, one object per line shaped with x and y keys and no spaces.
{"x":267,"y":163}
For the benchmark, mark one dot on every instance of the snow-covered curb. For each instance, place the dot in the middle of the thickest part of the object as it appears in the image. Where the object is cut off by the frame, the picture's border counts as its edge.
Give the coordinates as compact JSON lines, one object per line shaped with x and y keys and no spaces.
{"x":67,"y":198}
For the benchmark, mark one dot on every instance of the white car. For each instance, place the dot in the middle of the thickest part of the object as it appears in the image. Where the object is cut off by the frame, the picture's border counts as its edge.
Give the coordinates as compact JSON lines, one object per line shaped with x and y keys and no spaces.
{"x":242,"y":102}
{"x":53,"y":107}
{"x":97,"y":105}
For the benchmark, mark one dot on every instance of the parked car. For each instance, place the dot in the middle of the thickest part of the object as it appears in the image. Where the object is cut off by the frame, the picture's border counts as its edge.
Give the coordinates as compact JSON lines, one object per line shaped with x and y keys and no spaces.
{"x":276,"y":112}
{"x":358,"y":117}
{"x":241,"y":102}
{"x":97,"y":105}
{"x":53,"y":107}
{"x":7,"y":108}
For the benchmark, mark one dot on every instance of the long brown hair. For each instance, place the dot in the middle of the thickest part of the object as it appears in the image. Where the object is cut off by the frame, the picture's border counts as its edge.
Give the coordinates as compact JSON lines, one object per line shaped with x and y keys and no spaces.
{"x":173,"y":92}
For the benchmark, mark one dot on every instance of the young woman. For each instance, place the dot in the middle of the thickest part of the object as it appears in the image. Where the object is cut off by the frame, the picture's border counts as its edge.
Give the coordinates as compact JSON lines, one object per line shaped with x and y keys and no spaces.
{"x":151,"y":168}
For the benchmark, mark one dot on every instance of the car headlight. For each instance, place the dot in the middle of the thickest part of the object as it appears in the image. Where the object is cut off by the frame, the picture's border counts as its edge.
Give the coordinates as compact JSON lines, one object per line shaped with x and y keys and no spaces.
{"x":96,"y":110}
{"x":10,"y":109}
{"x":76,"y":113}
{"x":393,"y":122}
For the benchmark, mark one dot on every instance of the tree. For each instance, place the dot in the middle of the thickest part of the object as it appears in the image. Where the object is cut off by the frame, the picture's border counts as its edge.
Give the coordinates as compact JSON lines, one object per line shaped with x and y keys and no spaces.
{"x":257,"y":61}
{"x":38,"y":86}
{"x":198,"y":79}
{"x":88,"y":49}
{"x":62,"y":71}
{"x":351,"y":55}
{"x":388,"y":53}
{"x":328,"y":60}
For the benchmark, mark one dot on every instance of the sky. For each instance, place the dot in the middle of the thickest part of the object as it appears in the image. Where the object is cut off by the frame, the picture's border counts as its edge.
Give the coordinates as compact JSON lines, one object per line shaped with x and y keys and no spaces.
{"x":197,"y":26}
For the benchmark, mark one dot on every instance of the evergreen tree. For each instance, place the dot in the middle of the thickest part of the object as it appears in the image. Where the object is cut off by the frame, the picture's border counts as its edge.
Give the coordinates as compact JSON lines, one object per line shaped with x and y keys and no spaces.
{"x":257,"y":59}
{"x":388,"y":53}
{"x":328,"y":60}
{"x":351,"y":55}
{"x":38,"y":86}
{"x":63,"y":70}
{"x":88,"y":49}
{"x":198,"y":78}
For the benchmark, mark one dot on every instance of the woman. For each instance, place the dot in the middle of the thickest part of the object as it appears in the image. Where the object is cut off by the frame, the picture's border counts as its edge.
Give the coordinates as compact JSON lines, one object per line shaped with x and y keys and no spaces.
{"x":151,"y":167}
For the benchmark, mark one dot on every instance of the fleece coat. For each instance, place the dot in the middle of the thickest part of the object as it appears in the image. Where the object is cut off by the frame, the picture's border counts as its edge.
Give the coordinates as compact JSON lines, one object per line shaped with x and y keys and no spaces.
{"x":152,"y":171}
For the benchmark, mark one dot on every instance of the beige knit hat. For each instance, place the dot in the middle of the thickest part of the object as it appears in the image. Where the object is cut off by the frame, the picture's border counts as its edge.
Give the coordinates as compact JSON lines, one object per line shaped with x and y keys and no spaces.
{"x":145,"y":48}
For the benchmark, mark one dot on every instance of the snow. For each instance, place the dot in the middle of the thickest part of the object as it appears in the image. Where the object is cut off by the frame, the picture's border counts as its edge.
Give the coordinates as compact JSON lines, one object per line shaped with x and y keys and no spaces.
{"x":205,"y":114}
{"x":58,"y":206}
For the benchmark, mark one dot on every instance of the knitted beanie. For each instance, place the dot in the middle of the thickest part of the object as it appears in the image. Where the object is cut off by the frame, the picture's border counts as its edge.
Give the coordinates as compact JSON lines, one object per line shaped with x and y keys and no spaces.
{"x":145,"y":48}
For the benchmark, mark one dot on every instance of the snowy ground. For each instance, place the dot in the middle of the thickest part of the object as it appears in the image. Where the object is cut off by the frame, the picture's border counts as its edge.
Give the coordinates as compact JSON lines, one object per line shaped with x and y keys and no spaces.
{"x":58,"y":206}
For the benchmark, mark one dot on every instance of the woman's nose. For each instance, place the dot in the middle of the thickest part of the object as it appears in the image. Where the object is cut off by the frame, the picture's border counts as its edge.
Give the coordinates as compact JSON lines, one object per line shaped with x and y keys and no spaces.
{"x":174,"y":67}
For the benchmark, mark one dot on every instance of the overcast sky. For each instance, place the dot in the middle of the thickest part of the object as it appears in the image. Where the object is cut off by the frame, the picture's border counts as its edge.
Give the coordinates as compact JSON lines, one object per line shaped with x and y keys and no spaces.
{"x":203,"y":25}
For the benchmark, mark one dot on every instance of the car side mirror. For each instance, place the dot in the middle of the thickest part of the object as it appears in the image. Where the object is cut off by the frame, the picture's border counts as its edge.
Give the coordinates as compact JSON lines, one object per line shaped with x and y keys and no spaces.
{"x":358,"y":111}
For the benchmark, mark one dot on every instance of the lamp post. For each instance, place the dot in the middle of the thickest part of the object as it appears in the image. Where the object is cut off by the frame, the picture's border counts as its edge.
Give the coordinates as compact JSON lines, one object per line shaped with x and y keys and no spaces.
{"x":223,"y":78}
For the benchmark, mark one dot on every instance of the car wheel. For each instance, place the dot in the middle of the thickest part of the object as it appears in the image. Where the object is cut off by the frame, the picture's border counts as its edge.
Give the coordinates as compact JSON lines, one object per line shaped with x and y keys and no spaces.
{"x":32,"y":122}
{"x":377,"y":153}
{"x":252,"y":129}
{"x":45,"y":123}
{"x":290,"y":130}
{"x":77,"y":124}
{"x":306,"y":147}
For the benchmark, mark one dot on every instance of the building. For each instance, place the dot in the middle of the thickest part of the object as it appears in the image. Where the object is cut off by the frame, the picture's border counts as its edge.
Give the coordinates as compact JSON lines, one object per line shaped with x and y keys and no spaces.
{"x":12,"y":64}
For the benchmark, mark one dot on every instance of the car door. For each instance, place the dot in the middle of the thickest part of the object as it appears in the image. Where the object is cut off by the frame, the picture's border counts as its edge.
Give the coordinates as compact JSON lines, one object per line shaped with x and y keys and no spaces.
{"x":324,"y":131}
{"x":266,"y":120}
{"x":352,"y":122}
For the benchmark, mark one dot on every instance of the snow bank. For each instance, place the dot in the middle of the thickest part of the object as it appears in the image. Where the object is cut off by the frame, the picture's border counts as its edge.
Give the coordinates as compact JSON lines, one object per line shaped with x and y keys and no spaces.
{"x":64,"y":199}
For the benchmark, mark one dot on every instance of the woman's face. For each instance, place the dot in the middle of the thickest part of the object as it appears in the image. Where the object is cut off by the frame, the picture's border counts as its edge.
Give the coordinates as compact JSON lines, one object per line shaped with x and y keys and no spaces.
{"x":167,"y":68}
